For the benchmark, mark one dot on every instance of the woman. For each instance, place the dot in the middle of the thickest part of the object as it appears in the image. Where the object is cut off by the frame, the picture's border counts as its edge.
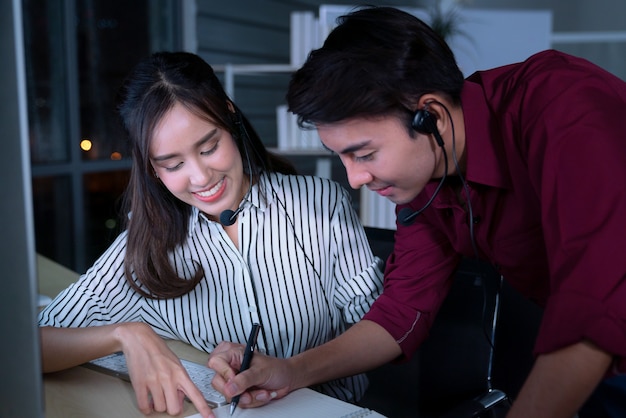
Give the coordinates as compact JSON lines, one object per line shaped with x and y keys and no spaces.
{"x":221,"y":234}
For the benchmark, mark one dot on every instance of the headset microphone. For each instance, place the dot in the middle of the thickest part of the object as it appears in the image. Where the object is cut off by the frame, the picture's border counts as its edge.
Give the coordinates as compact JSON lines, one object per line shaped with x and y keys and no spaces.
{"x":425,"y":123}
{"x":228,"y":217}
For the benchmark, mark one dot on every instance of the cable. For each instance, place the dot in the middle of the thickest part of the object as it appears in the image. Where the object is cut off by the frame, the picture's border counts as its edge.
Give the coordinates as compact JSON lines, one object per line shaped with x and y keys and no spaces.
{"x":490,"y":337}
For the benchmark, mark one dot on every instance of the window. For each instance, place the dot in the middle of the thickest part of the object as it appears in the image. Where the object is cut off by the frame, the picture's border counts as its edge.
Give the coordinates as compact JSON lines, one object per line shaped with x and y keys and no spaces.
{"x":77,"y":54}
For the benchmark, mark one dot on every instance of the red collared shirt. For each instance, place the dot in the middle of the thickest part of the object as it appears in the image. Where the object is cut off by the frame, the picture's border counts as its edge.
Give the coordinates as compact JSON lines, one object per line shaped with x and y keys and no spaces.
{"x":546,"y":169}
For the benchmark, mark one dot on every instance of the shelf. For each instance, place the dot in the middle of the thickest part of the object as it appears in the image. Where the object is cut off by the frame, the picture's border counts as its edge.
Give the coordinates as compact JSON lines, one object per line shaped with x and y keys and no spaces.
{"x":230,"y":70}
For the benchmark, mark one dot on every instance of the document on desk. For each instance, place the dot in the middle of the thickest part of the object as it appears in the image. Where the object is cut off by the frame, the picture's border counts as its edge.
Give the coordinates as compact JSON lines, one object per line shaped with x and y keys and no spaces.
{"x":302,"y":403}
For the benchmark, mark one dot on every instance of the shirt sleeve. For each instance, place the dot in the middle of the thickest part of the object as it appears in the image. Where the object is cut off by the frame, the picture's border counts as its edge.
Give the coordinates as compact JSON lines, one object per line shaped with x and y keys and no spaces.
{"x":101,"y":296}
{"x":417,"y":279}
{"x":577,"y":162}
{"x":357,"y":271}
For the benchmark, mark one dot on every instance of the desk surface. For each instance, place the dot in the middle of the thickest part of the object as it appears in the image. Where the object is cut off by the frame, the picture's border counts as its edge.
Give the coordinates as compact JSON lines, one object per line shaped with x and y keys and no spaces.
{"x":82,"y":392}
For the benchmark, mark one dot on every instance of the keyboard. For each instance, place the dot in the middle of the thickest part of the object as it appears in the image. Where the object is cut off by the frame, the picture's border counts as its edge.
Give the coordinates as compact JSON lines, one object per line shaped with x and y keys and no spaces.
{"x":201,"y":376}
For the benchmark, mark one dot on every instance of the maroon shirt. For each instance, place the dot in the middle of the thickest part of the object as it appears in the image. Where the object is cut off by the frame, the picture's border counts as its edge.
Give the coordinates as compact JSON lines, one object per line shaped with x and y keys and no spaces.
{"x":546,"y":169}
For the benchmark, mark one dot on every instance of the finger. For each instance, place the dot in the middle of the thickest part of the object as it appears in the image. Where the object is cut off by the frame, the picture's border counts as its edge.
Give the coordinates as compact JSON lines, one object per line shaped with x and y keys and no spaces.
{"x":260,"y":397}
{"x":223,"y":372}
{"x":226,"y":362}
{"x":197,"y":399}
{"x":240,"y":383}
{"x":218,"y":383}
{"x":143,"y":400}
{"x":159,"y":402}
{"x":173,"y":400}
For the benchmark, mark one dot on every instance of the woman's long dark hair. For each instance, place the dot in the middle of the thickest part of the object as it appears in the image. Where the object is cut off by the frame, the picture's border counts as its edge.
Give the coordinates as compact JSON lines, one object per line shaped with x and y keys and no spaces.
{"x":157,"y":222}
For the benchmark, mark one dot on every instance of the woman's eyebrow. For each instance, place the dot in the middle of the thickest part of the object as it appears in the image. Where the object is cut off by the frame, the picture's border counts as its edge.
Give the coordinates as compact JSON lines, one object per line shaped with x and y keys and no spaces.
{"x":206,"y":138}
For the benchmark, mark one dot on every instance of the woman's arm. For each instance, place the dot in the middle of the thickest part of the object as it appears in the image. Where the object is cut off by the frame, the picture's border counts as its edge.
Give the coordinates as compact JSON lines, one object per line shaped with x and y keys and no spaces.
{"x":62,"y":348}
{"x":158,"y":378}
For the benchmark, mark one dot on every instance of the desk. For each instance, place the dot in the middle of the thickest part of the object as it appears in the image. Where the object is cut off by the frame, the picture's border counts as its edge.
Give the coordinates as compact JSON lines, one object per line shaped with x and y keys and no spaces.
{"x":82,"y":392}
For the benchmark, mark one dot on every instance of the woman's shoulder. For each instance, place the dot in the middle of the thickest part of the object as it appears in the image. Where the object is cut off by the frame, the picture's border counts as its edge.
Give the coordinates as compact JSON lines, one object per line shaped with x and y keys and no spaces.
{"x":294,"y":181}
{"x":306,"y":191}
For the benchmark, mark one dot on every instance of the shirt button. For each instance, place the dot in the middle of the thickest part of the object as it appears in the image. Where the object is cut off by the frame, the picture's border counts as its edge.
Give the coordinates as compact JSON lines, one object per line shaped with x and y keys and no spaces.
{"x":476,"y":219}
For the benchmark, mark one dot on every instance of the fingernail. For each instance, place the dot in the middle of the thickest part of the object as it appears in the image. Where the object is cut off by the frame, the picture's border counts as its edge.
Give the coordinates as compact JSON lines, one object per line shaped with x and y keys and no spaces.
{"x":262,"y":397}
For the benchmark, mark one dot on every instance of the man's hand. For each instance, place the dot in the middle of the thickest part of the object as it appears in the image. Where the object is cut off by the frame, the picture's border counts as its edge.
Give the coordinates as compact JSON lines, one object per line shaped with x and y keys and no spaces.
{"x":268,"y":377}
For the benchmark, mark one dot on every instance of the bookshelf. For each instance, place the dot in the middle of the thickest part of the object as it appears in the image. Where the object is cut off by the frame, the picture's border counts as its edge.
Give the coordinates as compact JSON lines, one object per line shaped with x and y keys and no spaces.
{"x":482,"y":50}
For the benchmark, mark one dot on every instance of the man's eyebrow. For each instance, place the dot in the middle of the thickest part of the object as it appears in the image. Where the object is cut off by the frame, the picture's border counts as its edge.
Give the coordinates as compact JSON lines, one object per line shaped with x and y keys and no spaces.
{"x":355,"y":147}
{"x":206,"y":138}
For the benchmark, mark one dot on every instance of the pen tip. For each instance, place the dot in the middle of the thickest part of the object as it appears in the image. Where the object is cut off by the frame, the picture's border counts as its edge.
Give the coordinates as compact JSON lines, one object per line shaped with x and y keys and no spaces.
{"x":232,"y":408}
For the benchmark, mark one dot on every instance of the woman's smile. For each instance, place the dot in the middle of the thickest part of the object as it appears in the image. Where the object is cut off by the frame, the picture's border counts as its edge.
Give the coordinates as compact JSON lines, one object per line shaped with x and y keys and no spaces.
{"x":213,"y":193}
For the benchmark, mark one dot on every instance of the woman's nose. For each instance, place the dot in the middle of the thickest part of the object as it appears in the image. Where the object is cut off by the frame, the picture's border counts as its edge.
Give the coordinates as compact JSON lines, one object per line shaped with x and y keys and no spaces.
{"x":198,"y":174}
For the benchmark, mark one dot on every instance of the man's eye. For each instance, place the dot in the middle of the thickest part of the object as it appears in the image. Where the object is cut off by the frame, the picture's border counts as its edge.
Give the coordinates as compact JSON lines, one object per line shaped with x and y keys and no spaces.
{"x":366,"y":157}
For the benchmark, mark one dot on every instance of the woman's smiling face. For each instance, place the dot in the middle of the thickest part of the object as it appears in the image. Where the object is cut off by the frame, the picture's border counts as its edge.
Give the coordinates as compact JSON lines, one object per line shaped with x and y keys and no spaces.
{"x":198,"y":162}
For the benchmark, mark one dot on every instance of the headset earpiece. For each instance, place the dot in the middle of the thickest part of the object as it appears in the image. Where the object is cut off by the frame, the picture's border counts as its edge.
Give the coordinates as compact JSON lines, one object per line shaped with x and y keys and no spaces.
{"x":424,"y":122}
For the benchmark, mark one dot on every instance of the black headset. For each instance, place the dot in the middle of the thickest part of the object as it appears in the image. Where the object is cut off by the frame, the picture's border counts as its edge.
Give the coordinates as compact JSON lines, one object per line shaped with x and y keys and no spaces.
{"x":425,"y":123}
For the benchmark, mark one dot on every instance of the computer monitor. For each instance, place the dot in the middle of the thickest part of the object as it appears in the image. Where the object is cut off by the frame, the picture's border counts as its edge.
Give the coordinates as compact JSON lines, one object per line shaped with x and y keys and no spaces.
{"x":21,"y":392}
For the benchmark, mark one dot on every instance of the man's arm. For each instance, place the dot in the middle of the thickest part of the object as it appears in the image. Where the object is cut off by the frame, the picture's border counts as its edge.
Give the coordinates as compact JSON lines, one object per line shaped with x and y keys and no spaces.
{"x":366,"y":345}
{"x":560,"y":382}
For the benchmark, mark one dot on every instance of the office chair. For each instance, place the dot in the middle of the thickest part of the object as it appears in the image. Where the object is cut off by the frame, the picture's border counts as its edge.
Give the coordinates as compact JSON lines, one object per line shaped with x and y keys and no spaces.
{"x":435,"y":383}
{"x":485,"y":405}
{"x":457,"y":359}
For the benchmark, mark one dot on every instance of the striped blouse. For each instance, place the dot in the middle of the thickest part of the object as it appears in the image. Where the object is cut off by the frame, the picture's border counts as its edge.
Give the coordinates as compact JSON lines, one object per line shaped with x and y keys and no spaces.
{"x":303,"y":269}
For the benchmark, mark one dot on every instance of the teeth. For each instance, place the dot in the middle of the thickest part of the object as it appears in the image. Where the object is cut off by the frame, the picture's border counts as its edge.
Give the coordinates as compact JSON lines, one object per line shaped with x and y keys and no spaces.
{"x":212,"y":191}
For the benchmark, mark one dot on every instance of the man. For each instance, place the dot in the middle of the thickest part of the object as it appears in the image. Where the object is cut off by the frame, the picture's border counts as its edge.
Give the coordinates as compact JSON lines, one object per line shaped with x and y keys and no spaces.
{"x":523,"y":166}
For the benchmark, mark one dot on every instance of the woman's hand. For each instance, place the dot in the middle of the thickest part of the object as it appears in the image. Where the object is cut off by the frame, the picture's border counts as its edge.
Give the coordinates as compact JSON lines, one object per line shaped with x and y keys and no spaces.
{"x":160,"y":381}
{"x":267,"y":378}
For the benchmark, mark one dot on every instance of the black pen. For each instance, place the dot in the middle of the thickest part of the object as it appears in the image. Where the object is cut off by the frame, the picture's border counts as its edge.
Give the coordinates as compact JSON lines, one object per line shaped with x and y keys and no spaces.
{"x":247,"y":358}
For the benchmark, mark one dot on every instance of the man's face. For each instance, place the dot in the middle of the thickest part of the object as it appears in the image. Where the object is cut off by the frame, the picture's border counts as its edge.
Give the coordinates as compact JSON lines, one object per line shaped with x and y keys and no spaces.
{"x":381,"y":154}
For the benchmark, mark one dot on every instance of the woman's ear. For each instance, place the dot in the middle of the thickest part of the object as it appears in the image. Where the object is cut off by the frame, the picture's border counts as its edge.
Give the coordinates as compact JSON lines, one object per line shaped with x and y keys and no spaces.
{"x":231,"y":106}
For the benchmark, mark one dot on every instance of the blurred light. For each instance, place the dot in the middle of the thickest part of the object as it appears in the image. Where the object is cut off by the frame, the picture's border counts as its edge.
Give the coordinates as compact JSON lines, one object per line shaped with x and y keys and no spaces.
{"x":110,"y":223}
{"x":85,"y":145}
{"x":116,"y":155}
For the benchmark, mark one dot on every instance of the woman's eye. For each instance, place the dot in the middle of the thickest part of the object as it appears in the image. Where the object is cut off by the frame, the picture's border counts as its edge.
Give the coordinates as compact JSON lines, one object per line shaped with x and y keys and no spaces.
{"x":211,"y":150}
{"x":174,"y":168}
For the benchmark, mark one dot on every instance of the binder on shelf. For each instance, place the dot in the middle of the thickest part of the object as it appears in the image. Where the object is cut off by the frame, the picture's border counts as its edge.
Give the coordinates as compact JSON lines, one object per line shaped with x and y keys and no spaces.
{"x":304,"y":36}
{"x":290,"y":137}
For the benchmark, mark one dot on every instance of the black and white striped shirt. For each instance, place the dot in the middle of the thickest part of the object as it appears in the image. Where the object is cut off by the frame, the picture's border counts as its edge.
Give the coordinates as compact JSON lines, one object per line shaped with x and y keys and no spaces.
{"x":303,"y":269}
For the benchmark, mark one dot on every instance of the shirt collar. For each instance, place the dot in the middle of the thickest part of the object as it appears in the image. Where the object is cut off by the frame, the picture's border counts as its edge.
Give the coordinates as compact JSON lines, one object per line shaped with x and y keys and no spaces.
{"x":484,"y":151}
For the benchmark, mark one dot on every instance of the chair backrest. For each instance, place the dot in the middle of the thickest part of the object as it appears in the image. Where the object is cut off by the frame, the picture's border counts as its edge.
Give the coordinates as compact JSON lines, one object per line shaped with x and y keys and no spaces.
{"x":455,"y":358}
{"x":453,"y":364}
